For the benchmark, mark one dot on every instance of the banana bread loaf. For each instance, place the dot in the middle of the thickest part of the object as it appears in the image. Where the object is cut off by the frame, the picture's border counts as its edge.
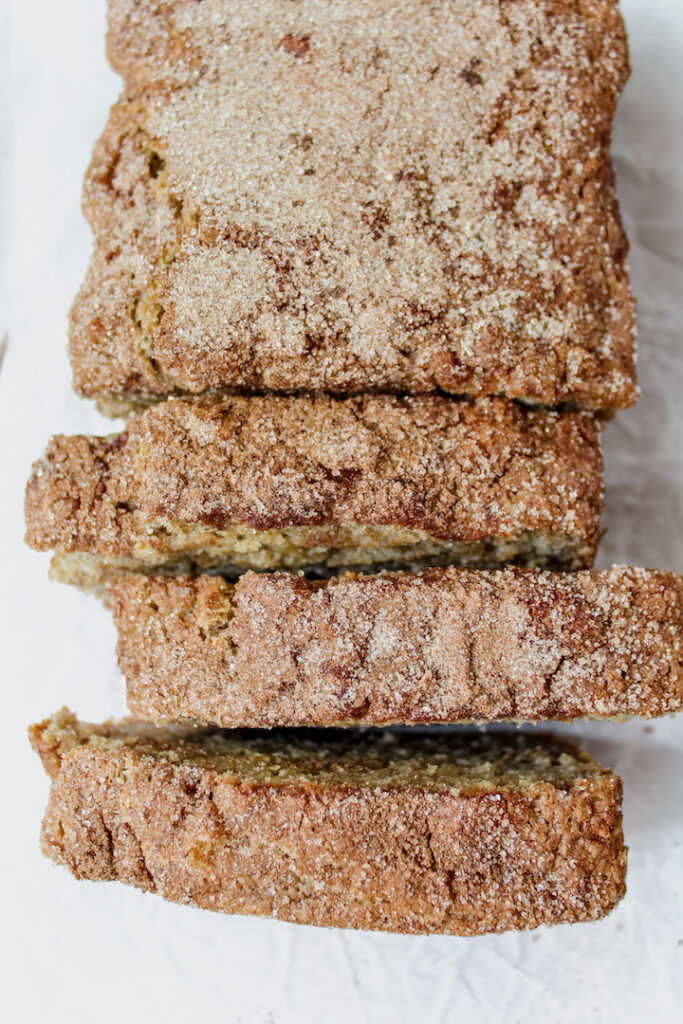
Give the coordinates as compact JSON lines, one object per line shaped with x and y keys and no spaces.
{"x":353,"y":197}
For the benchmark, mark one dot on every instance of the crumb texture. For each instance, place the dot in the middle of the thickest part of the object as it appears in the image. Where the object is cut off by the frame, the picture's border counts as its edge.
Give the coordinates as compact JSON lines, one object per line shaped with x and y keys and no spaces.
{"x":445,"y":646}
{"x":408,"y":834}
{"x":353,"y":197}
{"x":273,"y":481}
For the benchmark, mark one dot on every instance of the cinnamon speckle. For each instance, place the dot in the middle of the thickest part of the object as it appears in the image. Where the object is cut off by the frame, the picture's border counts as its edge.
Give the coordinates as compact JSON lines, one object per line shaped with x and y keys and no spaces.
{"x":298,"y":47}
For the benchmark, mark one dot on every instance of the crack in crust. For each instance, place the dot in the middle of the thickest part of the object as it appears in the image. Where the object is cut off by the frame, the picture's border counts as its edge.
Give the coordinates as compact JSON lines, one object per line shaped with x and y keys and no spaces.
{"x":422,"y":200}
{"x":270,"y":481}
{"x":406,"y":834}
{"x":449,"y":645}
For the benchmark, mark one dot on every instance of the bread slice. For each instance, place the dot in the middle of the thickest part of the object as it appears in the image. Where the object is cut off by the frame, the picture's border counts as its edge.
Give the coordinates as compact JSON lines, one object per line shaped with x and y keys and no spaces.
{"x":352,"y":197}
{"x":265,"y":482}
{"x":449,"y":645}
{"x":452,"y":834}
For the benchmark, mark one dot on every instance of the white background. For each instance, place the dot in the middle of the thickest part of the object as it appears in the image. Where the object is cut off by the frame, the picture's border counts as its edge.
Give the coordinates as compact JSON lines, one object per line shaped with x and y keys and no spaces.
{"x":83,"y":951}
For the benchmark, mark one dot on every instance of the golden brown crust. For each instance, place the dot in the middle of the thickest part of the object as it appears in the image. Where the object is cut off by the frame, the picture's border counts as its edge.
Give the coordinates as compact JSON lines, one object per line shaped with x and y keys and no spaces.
{"x":449,"y":645}
{"x":334,"y":473}
{"x":311,"y":197}
{"x":478,"y":835}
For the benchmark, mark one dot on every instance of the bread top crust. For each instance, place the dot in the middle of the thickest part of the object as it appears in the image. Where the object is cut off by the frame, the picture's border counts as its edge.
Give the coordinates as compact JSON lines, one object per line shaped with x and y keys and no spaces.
{"x":349,"y":197}
{"x":464,"y":762}
{"x":441,"y":835}
{"x":458,"y":471}
{"x":444,"y":645}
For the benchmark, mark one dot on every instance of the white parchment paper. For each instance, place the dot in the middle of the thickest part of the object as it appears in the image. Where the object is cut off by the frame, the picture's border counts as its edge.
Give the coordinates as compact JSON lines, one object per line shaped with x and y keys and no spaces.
{"x":86,"y":952}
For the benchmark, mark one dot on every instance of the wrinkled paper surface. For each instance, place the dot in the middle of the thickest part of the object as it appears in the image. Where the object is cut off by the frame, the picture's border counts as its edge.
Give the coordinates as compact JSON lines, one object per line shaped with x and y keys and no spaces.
{"x":98,"y":952}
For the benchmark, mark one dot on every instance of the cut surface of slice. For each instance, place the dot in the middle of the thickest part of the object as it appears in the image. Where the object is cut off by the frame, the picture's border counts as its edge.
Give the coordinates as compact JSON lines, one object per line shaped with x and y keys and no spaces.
{"x":448,"y":834}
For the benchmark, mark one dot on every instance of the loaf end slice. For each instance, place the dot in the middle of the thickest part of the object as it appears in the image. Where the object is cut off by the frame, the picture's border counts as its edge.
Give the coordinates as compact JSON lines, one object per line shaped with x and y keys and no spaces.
{"x":403,"y":833}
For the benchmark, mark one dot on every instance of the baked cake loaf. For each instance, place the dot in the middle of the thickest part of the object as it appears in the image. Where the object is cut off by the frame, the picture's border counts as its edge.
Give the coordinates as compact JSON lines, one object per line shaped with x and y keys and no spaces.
{"x":449,"y":645}
{"x":354,"y":197}
{"x":398,"y":833}
{"x":265,"y":482}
